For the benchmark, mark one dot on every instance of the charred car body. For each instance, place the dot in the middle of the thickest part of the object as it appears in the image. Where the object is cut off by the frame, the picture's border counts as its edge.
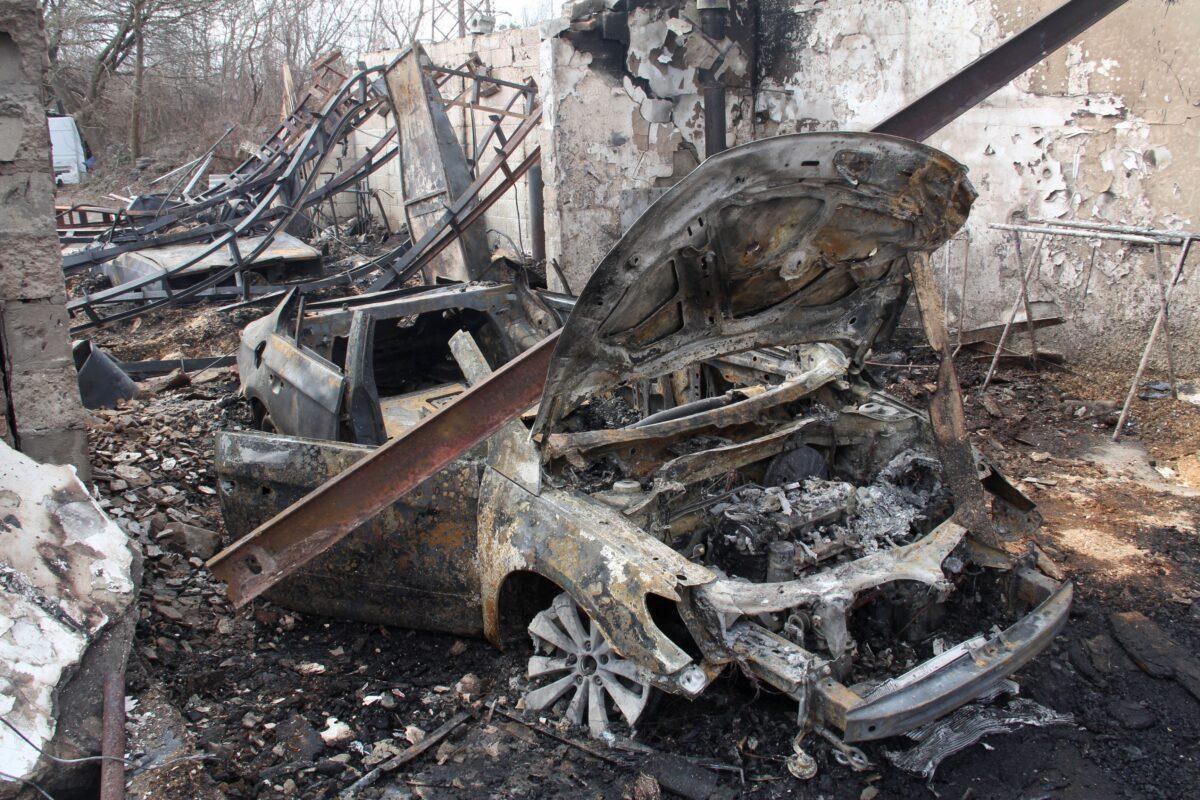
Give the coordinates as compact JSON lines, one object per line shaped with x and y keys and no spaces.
{"x":711,"y":478}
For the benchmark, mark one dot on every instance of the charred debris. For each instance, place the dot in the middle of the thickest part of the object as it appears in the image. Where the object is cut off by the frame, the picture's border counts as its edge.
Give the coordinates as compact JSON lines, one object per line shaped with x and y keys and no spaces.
{"x":685,"y":471}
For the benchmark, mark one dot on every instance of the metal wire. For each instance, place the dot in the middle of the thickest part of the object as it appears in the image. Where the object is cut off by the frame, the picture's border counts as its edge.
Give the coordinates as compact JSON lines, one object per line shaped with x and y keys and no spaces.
{"x":87,"y":759}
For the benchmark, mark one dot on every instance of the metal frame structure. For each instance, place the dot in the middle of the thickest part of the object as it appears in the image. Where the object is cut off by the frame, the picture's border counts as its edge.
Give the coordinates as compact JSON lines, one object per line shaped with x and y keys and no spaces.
{"x":276,"y":184}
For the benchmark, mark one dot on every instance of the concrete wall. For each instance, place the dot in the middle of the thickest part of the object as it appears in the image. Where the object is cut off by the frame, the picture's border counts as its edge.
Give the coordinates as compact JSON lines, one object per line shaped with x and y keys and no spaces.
{"x":1105,"y":129}
{"x":626,"y":120}
{"x":41,"y":412}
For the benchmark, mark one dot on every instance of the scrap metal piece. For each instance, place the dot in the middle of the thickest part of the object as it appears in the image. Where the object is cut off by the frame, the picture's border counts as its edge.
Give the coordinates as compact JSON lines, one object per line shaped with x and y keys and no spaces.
{"x":608,"y":565}
{"x":510,"y":450}
{"x":941,"y":739}
{"x":1046,"y":314}
{"x":739,"y":406}
{"x":284,"y":257}
{"x":572,"y":655}
{"x":920,"y":561}
{"x":315,"y":523}
{"x":412,"y":565}
{"x":946,"y":414}
{"x":433,"y":169}
{"x":102,"y":381}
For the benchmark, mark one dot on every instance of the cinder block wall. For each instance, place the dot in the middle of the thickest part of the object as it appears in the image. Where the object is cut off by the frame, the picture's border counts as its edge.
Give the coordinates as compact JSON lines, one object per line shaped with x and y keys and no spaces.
{"x":40,"y":410}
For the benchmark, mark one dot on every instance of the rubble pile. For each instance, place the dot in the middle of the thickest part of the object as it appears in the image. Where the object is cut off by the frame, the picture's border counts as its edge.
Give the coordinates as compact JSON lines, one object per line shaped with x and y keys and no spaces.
{"x":273,"y":703}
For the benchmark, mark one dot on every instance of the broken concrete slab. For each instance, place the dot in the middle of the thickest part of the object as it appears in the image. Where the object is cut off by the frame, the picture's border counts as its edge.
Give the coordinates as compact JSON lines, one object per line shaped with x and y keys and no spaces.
{"x":191,"y":540}
{"x":68,"y":582}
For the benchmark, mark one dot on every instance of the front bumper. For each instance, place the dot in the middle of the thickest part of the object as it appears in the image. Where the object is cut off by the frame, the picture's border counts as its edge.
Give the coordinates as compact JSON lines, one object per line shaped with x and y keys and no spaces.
{"x":972,"y":674}
{"x":925,"y":693}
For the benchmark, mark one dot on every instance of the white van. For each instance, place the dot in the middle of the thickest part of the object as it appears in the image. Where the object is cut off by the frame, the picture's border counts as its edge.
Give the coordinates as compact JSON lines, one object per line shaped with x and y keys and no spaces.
{"x":67,"y":152}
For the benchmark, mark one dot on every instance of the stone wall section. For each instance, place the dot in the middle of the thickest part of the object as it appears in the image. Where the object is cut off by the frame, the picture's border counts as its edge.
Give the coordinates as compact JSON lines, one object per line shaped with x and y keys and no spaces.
{"x":41,"y":413}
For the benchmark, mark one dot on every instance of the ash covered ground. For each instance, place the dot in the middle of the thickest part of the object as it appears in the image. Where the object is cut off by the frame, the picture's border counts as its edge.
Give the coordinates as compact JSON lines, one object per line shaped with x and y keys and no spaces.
{"x":278,"y":704}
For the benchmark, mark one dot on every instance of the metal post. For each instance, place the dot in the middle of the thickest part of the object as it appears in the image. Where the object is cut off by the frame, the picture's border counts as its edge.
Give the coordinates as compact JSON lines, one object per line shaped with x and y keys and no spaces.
{"x":112,"y":737}
{"x":713,"y":14}
{"x":1012,"y":315}
{"x":1033,"y":348}
{"x":1158,"y":324}
{"x":962,"y":297}
{"x":537,"y":213}
{"x":1088,"y":278}
{"x":1166,"y":326}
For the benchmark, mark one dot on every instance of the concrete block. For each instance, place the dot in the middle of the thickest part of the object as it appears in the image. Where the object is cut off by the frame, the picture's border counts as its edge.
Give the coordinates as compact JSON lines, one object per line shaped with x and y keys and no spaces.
{"x":46,"y":398}
{"x":31,"y":267}
{"x":26,"y":203}
{"x":35,"y":332}
{"x":59,"y":447}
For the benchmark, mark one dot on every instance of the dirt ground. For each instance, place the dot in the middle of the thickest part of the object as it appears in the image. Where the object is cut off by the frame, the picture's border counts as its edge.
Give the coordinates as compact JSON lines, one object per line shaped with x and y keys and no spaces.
{"x":249,"y":693}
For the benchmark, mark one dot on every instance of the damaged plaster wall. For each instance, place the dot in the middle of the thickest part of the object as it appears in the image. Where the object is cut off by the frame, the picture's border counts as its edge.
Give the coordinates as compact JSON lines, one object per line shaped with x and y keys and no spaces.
{"x":624,"y":116}
{"x":1105,"y":130}
{"x":40,"y":410}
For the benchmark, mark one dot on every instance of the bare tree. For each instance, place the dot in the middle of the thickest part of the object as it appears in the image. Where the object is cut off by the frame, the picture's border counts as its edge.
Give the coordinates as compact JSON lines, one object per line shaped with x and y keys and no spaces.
{"x":162,"y":76}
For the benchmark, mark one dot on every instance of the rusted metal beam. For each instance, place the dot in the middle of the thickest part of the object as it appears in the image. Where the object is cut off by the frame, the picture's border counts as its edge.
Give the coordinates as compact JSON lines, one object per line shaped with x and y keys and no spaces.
{"x":112,"y":736}
{"x":983,"y":76}
{"x":331,"y":512}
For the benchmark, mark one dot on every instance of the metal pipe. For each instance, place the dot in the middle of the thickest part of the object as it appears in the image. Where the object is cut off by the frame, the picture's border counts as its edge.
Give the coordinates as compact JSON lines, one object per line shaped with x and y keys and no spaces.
{"x":537,"y":213}
{"x":1159,"y":321}
{"x":713,"y":14}
{"x":112,"y":737}
{"x":1051,"y":231}
{"x":1097,"y":226}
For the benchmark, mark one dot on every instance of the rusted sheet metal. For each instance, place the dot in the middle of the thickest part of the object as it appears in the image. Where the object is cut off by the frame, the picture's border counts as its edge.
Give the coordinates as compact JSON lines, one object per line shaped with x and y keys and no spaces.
{"x":606,"y":563}
{"x":322,"y":518}
{"x":412,"y":564}
{"x":785,"y":241}
{"x":946,"y":102}
{"x":311,"y":387}
{"x":433,"y":169}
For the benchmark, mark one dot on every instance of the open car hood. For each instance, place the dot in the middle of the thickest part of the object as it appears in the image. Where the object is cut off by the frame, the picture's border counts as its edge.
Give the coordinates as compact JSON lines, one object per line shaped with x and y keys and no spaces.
{"x":783,"y":241}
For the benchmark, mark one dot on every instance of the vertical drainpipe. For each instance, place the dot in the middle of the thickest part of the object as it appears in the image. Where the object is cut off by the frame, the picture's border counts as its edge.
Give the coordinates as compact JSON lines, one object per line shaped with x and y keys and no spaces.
{"x":537,"y":213}
{"x":713,"y":14}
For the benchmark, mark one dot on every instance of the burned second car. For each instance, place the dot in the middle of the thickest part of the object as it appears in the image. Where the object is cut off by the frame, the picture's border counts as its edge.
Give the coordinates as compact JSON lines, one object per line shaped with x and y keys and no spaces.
{"x":711,"y":477}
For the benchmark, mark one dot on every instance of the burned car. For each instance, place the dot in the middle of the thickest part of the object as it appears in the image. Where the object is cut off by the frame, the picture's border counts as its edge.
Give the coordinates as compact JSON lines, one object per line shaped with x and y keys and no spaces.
{"x":711,"y":477}
{"x":361,"y":369}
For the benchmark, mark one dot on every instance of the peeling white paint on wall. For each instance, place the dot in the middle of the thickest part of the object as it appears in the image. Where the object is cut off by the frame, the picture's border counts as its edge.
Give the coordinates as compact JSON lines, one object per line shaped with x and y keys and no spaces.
{"x":64,"y":575}
{"x":1056,"y":143}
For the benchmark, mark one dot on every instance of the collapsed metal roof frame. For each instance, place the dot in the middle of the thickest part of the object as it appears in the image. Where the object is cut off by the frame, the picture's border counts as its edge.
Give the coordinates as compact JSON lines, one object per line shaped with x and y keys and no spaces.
{"x":287,"y":187}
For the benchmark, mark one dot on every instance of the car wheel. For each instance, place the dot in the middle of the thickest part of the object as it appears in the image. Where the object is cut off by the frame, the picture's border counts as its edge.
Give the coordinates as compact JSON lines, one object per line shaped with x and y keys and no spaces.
{"x":576,"y":671}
